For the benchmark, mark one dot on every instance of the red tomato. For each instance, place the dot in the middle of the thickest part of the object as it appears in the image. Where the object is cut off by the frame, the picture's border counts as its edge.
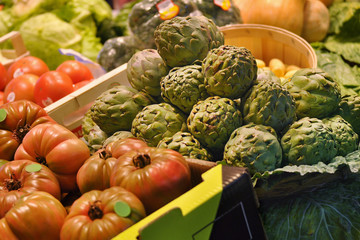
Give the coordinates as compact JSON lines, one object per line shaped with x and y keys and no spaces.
{"x":52,"y":86}
{"x":76,"y":70}
{"x":1,"y":98}
{"x":57,"y":148}
{"x":79,"y":85}
{"x":3,"y":77}
{"x":21,"y":87}
{"x":21,"y":116}
{"x":155,"y":175}
{"x":17,"y":178}
{"x":94,"y":215}
{"x":37,"y":215}
{"x":28,"y":64}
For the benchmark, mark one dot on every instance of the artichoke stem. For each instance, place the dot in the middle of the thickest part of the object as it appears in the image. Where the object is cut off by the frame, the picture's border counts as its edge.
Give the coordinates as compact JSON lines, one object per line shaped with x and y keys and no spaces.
{"x":12,"y":183}
{"x":141,"y":160}
{"x":95,"y":211}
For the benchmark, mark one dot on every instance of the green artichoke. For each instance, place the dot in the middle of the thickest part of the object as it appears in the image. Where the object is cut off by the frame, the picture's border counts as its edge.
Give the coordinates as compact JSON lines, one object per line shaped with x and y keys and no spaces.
{"x":349,"y":109}
{"x":187,"y":145}
{"x":184,"y":87}
{"x":265,"y":74}
{"x":346,"y":140}
{"x":181,"y":41}
{"x":115,"y":108}
{"x":268,"y":103}
{"x":117,"y":136}
{"x":92,"y":134}
{"x":144,"y":17}
{"x":316,"y":93}
{"x":117,"y":51}
{"x":145,"y":70}
{"x":255,"y":147}
{"x":308,"y":141}
{"x":229,"y":71}
{"x":157,"y":121}
{"x":212,"y":121}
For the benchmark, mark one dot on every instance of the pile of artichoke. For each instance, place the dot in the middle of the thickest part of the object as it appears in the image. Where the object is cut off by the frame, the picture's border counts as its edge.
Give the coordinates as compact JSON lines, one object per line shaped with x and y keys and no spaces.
{"x":210,"y":101}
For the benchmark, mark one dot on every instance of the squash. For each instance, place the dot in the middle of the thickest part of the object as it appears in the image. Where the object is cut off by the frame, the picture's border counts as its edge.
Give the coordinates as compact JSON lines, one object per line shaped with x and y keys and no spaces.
{"x":287,"y":14}
{"x":316,"y":21}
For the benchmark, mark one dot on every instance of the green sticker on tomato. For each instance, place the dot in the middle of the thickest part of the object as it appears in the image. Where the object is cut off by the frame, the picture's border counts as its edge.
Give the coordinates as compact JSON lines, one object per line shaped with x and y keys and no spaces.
{"x":33,"y":168}
{"x":3,"y":114}
{"x":122,"y":209}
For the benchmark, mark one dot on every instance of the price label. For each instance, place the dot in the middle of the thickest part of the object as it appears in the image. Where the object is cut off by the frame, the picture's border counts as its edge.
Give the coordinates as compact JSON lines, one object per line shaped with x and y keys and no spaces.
{"x":167,"y":9}
{"x":3,"y":114}
{"x":225,"y":4}
{"x":33,"y":168}
{"x":122,"y":209}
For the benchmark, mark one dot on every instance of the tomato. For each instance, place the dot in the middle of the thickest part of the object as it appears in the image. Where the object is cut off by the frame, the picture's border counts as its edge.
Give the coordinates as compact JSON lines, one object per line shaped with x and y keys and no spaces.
{"x":6,"y":233}
{"x":17,"y":178}
{"x":76,"y":70}
{"x":52,"y":86}
{"x":21,"y":87}
{"x":28,"y":64}
{"x":95,"y":173}
{"x":81,"y":84}
{"x":57,"y":148}
{"x":93,"y":215}
{"x":155,"y":175}
{"x":21,"y":116}
{"x":3,"y":77}
{"x":1,"y":98}
{"x":37,"y":215}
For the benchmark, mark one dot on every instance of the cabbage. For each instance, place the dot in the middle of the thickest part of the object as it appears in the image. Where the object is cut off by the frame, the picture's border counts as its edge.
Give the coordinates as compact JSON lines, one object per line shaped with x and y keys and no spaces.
{"x":44,"y":34}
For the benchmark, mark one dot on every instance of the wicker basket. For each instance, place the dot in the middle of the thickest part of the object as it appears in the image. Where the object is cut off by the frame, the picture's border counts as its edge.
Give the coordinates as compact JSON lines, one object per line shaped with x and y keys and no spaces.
{"x":266,"y":42}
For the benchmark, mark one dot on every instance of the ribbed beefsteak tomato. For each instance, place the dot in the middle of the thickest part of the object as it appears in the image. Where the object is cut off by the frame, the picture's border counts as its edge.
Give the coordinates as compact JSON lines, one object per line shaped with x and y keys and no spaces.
{"x":37,"y":215}
{"x":95,"y":173}
{"x":21,"y":116}
{"x":102,"y":214}
{"x":155,"y":175}
{"x":24,"y":176}
{"x":57,"y":148}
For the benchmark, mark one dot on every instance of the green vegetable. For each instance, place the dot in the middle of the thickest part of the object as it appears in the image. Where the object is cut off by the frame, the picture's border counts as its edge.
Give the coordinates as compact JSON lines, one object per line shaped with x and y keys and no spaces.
{"x":331,"y":212}
{"x":44,"y":34}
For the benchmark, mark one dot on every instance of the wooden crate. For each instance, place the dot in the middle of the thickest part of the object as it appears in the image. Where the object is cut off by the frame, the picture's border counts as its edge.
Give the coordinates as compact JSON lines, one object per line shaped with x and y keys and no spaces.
{"x":8,"y":56}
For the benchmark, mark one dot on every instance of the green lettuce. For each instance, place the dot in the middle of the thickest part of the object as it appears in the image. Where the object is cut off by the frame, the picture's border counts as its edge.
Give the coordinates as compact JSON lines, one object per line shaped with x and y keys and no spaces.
{"x":331,"y":212}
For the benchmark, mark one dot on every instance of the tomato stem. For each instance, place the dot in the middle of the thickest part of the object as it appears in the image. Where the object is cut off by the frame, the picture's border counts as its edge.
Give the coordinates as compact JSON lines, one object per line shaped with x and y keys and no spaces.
{"x":104,"y":154}
{"x":141,"y":160}
{"x":12,"y":183}
{"x":41,"y":160}
{"x":95,"y":211}
{"x":20,"y":132}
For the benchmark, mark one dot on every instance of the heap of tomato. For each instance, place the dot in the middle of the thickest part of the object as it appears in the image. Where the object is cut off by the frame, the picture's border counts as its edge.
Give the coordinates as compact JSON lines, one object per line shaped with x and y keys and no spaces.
{"x":29,"y":78}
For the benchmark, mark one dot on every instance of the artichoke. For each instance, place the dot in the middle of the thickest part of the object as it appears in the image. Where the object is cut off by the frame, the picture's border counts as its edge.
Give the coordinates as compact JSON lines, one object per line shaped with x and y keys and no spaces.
{"x":187,"y":145}
{"x":220,"y":16}
{"x":117,"y":136}
{"x":229,"y":71}
{"x":181,"y":41}
{"x":145,"y":70}
{"x":117,"y":51}
{"x":316,"y":93}
{"x":308,"y":141}
{"x":92,"y":134}
{"x":255,"y":147}
{"x":346,"y":140}
{"x":145,"y":16}
{"x":265,"y":74}
{"x":157,"y":121}
{"x":212,"y":121}
{"x":184,"y":87}
{"x":268,"y":103}
{"x":349,"y":109}
{"x":115,"y":108}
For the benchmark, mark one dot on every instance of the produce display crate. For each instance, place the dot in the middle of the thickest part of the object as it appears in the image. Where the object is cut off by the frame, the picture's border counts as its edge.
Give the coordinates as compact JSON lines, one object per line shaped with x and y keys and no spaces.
{"x":18,"y":50}
{"x":221,"y":205}
{"x":266,"y":42}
